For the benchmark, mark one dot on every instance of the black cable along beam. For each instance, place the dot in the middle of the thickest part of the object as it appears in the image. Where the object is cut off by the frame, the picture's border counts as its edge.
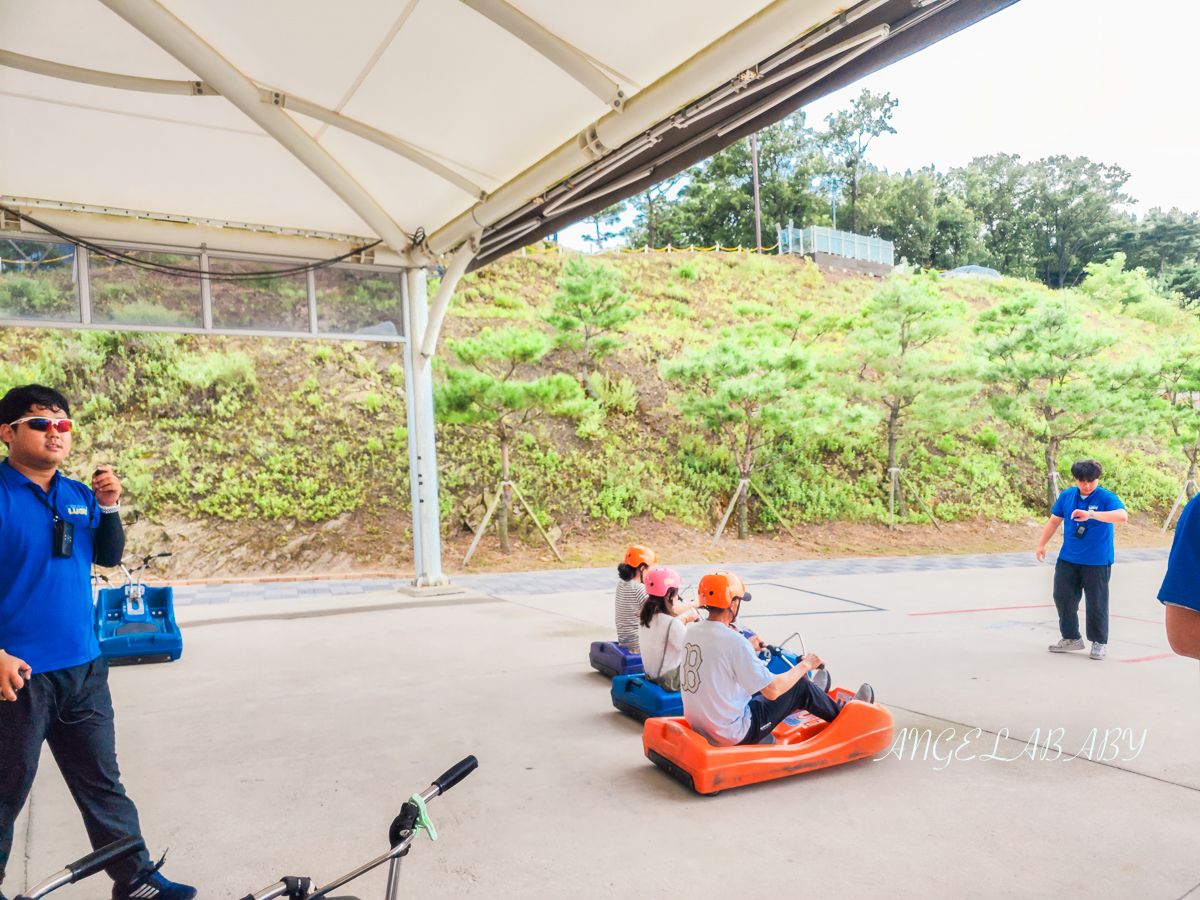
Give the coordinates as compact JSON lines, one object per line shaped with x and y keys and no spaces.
{"x":912,"y":29}
{"x":180,"y":271}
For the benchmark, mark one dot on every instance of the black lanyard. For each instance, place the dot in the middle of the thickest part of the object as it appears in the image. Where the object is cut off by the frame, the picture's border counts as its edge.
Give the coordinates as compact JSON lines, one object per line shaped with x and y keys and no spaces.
{"x":51,"y":504}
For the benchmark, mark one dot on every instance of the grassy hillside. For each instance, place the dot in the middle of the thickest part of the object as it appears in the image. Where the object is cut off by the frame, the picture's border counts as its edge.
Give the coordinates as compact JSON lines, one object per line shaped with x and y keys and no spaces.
{"x":248,"y":454}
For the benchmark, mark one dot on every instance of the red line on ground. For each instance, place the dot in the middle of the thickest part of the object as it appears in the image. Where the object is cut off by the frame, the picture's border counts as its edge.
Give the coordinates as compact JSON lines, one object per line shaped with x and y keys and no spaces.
{"x":944,"y":612}
{"x":1149,"y":658}
{"x":1132,"y":619}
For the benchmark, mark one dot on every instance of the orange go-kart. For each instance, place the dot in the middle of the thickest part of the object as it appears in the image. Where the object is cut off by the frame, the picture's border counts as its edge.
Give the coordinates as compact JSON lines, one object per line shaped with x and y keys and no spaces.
{"x":802,"y":743}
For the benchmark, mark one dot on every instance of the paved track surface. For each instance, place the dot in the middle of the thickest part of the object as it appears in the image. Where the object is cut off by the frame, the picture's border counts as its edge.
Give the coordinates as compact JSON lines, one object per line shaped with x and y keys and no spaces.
{"x":284,"y":742}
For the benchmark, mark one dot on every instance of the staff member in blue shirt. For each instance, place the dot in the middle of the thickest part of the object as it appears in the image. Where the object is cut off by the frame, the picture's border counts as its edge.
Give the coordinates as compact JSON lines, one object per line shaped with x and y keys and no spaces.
{"x":1180,"y":591}
{"x":1085,"y":560}
{"x":53,"y":681}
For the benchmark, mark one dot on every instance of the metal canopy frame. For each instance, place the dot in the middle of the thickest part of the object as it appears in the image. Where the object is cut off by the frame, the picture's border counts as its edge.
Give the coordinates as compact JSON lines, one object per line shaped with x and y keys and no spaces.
{"x":862,"y":39}
{"x":753,"y":75}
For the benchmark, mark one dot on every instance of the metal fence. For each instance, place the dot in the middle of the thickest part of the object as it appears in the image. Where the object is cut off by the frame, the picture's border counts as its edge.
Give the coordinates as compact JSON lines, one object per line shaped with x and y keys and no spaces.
{"x":816,"y":239}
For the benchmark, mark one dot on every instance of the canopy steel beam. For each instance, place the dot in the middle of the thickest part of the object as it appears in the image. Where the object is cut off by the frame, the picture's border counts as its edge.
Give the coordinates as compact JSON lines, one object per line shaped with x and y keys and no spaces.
{"x":552,"y":47}
{"x":173,"y":36}
{"x":104,"y":79}
{"x":375,"y":136}
{"x":743,"y":48}
{"x":910,"y":29}
{"x":441,"y":302}
{"x":277,"y":98}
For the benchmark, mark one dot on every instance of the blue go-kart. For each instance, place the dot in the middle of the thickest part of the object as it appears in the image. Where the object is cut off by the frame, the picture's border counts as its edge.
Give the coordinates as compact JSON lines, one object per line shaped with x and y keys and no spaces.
{"x":611,"y":659}
{"x":136,"y":623}
{"x":640,"y":698}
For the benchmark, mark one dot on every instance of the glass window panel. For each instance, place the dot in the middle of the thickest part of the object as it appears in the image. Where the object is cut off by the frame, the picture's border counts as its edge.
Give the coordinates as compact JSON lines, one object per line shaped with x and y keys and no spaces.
{"x":125,"y":294}
{"x":264,"y":303}
{"x":38,"y":280}
{"x":358,"y":301}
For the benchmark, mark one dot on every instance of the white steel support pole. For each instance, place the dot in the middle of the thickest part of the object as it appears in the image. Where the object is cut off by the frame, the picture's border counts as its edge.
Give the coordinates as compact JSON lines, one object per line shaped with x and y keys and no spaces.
{"x":422,"y":451}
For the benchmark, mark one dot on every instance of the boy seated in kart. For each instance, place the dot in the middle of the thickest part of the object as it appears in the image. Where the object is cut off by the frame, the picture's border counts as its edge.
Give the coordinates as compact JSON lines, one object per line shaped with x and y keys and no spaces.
{"x":729,"y":695}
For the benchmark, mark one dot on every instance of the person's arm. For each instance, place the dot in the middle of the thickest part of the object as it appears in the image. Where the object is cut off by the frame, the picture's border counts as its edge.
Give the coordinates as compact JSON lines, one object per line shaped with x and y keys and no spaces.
{"x":785,"y":681}
{"x":1183,"y":630}
{"x":108,"y":543}
{"x":1113,"y":516}
{"x":1047,"y":533}
{"x":14,"y":672}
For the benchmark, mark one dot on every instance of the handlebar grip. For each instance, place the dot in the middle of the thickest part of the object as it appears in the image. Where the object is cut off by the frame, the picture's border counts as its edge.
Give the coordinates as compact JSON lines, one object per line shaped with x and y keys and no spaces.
{"x":106,"y":856}
{"x":455,"y":774}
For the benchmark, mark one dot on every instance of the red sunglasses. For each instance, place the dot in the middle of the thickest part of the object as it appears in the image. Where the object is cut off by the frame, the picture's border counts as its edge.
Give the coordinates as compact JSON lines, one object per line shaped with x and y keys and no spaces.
{"x":37,"y":423}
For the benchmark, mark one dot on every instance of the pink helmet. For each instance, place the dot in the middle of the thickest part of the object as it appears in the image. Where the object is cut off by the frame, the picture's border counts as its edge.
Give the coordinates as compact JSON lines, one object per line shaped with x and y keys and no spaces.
{"x":659,"y":581}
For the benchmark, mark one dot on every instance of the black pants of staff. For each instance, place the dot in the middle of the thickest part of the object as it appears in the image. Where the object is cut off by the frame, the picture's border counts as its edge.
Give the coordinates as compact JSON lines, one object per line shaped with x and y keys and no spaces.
{"x":71,"y":710}
{"x":765,"y":715}
{"x":1070,"y":581}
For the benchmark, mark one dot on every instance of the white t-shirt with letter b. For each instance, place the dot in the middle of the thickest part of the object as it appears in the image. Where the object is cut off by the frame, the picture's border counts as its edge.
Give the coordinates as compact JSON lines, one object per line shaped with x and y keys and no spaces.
{"x":719,"y":674}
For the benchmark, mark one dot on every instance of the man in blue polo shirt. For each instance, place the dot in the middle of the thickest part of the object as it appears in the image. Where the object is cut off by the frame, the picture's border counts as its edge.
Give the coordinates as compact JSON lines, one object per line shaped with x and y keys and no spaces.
{"x":1085,"y":560}
{"x":1180,"y":591}
{"x":53,"y":681}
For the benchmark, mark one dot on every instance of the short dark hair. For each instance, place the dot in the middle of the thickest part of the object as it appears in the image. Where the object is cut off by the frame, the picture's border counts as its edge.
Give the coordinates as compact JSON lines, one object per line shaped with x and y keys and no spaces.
{"x":1087,"y":470}
{"x":24,"y":397}
{"x":628,"y":572}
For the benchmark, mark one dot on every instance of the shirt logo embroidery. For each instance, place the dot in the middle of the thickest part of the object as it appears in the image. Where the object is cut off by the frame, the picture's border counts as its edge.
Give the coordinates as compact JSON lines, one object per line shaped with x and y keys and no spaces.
{"x":689,"y":673}
{"x":76,"y":510}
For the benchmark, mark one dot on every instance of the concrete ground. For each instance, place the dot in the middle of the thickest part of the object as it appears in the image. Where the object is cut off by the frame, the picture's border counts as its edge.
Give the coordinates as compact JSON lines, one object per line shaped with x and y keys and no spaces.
{"x":285,"y":745}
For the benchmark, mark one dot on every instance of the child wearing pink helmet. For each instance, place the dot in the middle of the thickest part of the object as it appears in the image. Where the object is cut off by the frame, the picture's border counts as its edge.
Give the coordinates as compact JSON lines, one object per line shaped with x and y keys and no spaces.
{"x":661,"y":630}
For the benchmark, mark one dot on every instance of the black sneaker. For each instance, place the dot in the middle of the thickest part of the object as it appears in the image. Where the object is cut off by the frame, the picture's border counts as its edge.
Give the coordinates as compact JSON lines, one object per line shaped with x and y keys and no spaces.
{"x":153,"y":886}
{"x":866,"y":693}
{"x":822,"y":679}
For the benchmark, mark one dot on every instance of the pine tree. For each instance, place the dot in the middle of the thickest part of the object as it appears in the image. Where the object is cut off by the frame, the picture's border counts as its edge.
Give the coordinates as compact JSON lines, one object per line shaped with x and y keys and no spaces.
{"x":488,"y":396}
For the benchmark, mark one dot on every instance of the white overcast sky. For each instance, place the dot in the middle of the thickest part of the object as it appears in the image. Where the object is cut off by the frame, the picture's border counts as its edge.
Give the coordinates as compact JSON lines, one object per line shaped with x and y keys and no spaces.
{"x":1106,"y":79}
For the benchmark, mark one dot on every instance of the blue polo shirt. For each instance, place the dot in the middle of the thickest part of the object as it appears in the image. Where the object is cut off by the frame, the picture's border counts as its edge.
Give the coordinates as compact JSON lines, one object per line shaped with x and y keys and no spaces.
{"x":1181,"y":586}
{"x":1095,"y":548}
{"x":46,"y":603}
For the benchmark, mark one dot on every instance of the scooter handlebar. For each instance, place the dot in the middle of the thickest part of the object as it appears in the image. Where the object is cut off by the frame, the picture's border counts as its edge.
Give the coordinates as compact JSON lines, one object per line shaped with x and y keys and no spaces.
{"x":106,"y":856}
{"x":455,"y":774}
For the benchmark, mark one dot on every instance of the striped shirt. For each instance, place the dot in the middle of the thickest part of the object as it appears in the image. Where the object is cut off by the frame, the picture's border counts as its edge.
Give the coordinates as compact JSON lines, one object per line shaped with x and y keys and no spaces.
{"x":630,"y":597}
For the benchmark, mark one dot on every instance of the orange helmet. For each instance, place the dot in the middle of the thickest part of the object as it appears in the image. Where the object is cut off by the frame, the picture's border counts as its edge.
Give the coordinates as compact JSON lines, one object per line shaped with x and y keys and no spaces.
{"x":638,"y":555}
{"x":720,"y":589}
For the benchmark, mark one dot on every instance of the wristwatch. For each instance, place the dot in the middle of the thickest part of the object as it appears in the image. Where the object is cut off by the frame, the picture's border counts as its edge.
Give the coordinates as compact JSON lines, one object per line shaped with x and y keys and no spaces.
{"x":116,"y":507}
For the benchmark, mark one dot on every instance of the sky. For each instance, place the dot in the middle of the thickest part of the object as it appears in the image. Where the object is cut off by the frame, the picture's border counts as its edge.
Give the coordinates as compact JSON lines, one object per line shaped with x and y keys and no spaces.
{"x":1109,"y":80}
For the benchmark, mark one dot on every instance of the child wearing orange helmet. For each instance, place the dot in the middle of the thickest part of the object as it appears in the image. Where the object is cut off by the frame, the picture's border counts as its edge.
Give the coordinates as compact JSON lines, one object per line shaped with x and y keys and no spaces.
{"x":729,"y":695}
{"x":663,"y":620}
{"x":631,"y":594}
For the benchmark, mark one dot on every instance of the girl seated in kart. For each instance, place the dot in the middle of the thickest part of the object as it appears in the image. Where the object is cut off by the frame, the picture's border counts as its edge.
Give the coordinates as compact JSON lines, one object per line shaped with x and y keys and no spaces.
{"x":663,"y":620}
{"x":631,"y":594}
{"x":729,"y":695}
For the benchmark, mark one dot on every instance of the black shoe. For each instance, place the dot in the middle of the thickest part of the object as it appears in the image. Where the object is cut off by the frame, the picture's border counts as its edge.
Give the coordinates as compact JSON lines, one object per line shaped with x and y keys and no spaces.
{"x":866,"y":693}
{"x":153,"y":886}
{"x":822,"y":679}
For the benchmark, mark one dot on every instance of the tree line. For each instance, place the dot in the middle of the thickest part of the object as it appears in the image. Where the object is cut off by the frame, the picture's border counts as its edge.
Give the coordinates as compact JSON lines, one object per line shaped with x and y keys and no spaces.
{"x":909,"y":366}
{"x":1044,"y":219}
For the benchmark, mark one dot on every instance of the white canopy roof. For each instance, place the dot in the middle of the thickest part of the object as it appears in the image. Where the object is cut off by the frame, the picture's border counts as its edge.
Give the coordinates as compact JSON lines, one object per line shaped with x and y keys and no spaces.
{"x":391,"y":119}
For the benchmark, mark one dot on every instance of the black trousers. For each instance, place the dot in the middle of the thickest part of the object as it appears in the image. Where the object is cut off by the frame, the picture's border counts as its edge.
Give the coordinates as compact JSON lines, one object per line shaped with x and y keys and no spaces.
{"x":71,"y":710}
{"x":765,"y":715}
{"x":1071,"y":580}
